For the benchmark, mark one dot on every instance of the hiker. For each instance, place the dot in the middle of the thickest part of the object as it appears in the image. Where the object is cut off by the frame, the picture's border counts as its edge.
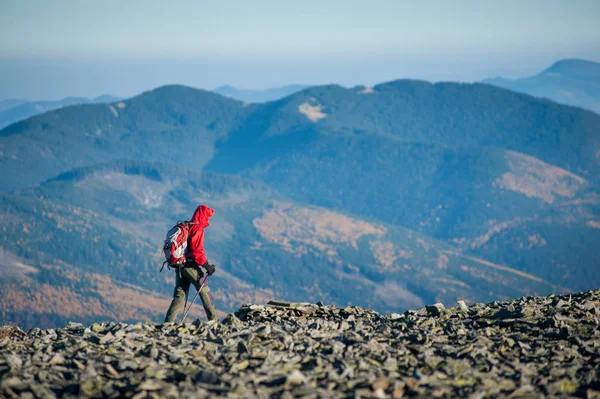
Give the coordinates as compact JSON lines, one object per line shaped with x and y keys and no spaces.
{"x":196,"y":268}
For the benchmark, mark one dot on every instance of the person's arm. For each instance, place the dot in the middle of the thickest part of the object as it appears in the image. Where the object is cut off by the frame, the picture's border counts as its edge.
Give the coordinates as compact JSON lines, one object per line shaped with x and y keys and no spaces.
{"x":196,"y":245}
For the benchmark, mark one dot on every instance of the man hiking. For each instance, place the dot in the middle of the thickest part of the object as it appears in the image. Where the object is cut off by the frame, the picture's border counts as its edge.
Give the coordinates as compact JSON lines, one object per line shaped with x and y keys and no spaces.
{"x":196,"y":268}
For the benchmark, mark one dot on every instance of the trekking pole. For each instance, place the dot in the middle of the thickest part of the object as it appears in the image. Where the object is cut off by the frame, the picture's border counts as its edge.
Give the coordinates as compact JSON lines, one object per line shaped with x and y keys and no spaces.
{"x":185,"y":313}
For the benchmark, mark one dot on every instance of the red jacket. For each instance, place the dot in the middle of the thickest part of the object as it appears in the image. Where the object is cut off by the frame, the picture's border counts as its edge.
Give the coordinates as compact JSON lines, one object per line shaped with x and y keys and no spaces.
{"x":195,"y":247}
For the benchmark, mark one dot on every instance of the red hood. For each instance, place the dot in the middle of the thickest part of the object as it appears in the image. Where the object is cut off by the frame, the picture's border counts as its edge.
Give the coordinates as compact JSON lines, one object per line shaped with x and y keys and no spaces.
{"x":202,"y":214}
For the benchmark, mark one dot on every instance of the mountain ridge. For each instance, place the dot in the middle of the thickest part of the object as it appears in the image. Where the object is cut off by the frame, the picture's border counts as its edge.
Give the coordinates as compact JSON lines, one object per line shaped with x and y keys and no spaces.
{"x":575,"y":67}
{"x":574,"y":82}
{"x":14,"y":110}
{"x":259,"y":96}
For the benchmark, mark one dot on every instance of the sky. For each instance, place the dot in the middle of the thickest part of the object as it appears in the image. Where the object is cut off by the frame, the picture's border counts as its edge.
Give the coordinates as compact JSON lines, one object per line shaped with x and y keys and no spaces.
{"x":53,"y":49}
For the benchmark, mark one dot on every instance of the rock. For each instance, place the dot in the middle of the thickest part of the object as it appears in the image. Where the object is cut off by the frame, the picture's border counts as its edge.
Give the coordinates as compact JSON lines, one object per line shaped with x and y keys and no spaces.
{"x":242,"y":348}
{"x":463,"y":306}
{"x":207,"y":377}
{"x":231,"y":320}
{"x":14,"y":384}
{"x":287,"y":349}
{"x":296,"y":378}
{"x":435,"y":309}
{"x":79,"y":365}
{"x":504,"y":313}
{"x":109,"y":337}
{"x":263,"y":331}
{"x":57,"y":359}
{"x":380,"y":383}
{"x":150,"y":385}
{"x":75,"y":327}
{"x":280,"y":303}
{"x":91,"y":388}
{"x":398,"y":390}
{"x":13,"y":361}
{"x":111,"y":370}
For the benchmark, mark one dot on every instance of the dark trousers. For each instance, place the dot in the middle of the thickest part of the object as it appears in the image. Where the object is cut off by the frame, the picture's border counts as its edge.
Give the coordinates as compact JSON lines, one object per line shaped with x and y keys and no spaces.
{"x":184,"y":278}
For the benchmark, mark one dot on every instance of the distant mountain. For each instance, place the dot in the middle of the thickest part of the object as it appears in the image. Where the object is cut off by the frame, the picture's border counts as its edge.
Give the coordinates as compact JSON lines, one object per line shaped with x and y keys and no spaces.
{"x":467,"y":164}
{"x":259,"y":96}
{"x":202,"y":122}
{"x":105,"y":98}
{"x":12,"y":111}
{"x":573,"y":82}
{"x":498,"y":205}
{"x":10,"y":103}
{"x":431,"y":191}
{"x":449,"y":114}
{"x":172,"y":124}
{"x":92,"y":236}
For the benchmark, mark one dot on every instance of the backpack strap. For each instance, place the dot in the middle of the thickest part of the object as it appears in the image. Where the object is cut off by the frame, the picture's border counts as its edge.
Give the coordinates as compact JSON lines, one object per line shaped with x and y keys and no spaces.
{"x":163,"y":266}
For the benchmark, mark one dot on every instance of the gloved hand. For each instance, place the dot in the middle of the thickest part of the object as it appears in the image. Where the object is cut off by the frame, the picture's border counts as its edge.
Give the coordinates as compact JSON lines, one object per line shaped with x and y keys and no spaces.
{"x":210,"y":268}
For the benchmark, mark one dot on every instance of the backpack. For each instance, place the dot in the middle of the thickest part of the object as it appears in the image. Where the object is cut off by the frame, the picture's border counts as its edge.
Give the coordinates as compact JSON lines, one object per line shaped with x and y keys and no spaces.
{"x":175,"y":245}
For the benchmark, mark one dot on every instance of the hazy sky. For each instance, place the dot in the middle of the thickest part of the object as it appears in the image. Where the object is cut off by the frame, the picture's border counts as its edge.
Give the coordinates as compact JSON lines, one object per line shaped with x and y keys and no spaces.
{"x":50,"y":49}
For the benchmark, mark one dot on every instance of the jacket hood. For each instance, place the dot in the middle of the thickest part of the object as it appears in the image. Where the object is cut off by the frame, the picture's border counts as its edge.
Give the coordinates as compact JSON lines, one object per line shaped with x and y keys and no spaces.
{"x":201,"y":215}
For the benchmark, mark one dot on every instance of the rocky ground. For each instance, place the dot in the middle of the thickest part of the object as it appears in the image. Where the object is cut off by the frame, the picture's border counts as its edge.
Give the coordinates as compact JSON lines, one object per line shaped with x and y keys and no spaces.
{"x":530,"y":347}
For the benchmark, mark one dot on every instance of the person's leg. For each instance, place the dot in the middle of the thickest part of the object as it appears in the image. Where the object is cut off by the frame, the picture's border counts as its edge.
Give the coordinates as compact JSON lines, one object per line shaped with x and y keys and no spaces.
{"x":208,"y":303}
{"x":205,"y":294}
{"x":182,"y":287}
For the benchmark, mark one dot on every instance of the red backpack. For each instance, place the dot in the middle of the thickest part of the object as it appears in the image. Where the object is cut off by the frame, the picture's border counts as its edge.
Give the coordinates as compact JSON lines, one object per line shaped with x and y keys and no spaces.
{"x":175,"y":244}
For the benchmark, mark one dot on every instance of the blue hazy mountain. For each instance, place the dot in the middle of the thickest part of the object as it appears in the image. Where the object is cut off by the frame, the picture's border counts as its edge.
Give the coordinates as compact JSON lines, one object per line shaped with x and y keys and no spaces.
{"x":105,"y":98}
{"x":574,"y":82}
{"x":230,"y":136}
{"x":10,"y":103}
{"x":259,"y":96}
{"x":14,"y":110}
